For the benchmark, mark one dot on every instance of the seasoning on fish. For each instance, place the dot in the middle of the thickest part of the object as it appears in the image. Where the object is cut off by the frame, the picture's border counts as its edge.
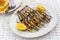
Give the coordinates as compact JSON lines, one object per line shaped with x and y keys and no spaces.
{"x":33,"y":19}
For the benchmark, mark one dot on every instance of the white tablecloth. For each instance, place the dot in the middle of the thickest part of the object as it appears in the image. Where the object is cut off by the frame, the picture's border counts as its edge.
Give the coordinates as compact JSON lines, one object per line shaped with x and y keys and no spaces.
{"x":7,"y":34}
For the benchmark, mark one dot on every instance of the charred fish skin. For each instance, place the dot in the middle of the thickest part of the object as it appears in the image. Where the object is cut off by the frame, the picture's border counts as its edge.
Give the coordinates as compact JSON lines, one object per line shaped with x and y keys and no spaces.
{"x":32,"y":12}
{"x":41,"y":17}
{"x":22,"y":16}
{"x":30,"y":9}
{"x":25,"y":19}
{"x":46,"y":16}
{"x":19,"y":16}
{"x":29,"y":26}
{"x":32,"y":18}
{"x":33,"y":25}
{"x":35,"y":20}
{"x":30,"y":22}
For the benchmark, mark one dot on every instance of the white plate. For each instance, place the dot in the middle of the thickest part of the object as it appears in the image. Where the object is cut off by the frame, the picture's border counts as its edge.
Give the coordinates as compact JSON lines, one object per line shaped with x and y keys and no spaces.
{"x":44,"y":30}
{"x":16,"y":3}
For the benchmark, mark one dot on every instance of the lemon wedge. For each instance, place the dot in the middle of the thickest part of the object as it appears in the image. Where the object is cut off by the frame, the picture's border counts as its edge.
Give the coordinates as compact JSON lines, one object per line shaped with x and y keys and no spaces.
{"x":40,"y":8}
{"x":3,"y":6}
{"x":21,"y":26}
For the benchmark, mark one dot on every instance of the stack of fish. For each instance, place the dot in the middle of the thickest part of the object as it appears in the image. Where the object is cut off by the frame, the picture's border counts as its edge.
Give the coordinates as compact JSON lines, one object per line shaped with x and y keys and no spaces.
{"x":33,"y":19}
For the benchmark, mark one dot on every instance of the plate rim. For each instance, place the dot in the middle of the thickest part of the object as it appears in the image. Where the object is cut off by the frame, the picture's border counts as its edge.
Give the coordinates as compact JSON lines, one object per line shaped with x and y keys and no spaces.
{"x":36,"y":36}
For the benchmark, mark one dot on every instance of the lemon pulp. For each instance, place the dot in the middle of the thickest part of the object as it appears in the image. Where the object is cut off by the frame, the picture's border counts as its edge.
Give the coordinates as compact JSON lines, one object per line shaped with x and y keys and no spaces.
{"x":40,"y":8}
{"x":21,"y":26}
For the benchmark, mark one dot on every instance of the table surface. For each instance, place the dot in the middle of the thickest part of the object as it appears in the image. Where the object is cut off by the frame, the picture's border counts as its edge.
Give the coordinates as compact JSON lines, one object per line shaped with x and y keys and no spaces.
{"x":7,"y":34}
